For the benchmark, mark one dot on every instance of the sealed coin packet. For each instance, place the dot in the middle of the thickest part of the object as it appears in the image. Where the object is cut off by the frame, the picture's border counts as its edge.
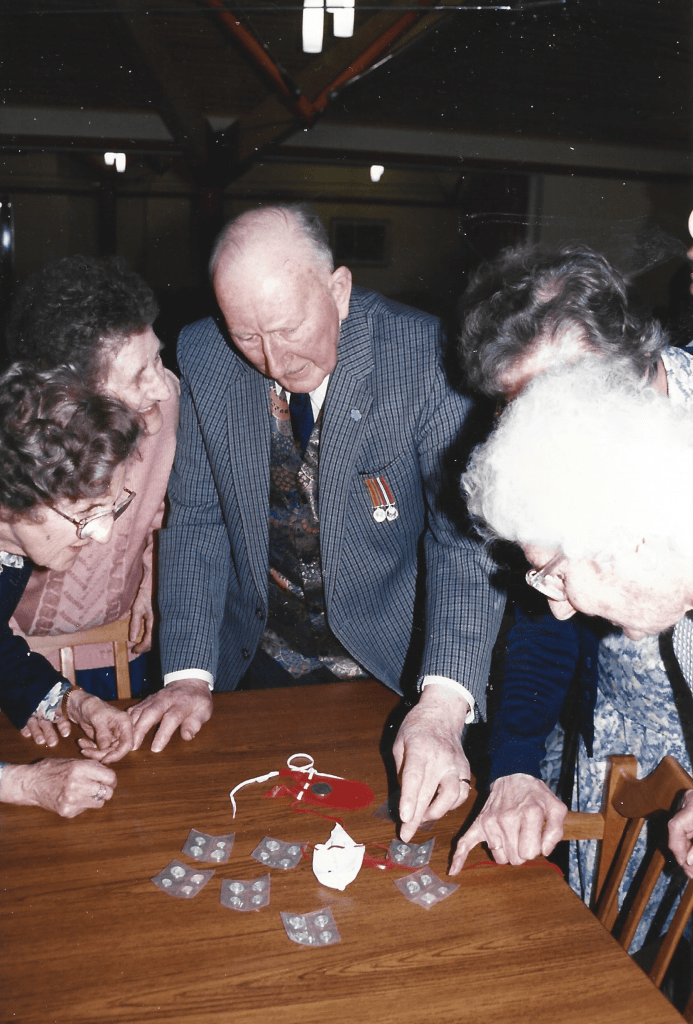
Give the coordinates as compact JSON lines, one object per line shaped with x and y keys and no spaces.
{"x":273,"y":853}
{"x":424,"y":887}
{"x":212,"y":849}
{"x":237,"y":894}
{"x":178,"y":880}
{"x":409,"y":855}
{"x":316,"y":929}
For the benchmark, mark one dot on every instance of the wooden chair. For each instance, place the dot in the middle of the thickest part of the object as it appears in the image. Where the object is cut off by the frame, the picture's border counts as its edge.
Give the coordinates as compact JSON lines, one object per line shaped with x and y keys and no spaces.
{"x":115,"y":633}
{"x":628,"y":802}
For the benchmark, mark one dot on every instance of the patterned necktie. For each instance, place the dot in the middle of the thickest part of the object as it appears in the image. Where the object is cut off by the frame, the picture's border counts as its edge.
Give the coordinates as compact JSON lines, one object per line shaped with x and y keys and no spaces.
{"x":301,"y":418}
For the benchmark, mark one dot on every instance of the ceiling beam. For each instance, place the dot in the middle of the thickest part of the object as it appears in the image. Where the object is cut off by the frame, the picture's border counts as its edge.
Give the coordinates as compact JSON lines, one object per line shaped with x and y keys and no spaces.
{"x":274,"y":118}
{"x":177,"y":110}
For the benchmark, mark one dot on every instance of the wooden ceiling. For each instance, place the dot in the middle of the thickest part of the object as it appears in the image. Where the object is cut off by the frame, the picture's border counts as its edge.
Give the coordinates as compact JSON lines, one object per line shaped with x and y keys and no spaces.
{"x":609,"y":71}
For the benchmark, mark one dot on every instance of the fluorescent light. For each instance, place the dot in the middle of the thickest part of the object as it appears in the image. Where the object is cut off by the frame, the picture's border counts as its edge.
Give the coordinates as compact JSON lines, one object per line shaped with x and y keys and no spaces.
{"x":342,"y":12}
{"x":313,"y":25}
{"x":118,"y":159}
{"x":377,"y":171}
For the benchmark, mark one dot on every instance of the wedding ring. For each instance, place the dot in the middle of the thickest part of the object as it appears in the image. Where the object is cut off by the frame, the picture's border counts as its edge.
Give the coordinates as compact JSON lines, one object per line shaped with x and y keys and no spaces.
{"x":100,"y":793}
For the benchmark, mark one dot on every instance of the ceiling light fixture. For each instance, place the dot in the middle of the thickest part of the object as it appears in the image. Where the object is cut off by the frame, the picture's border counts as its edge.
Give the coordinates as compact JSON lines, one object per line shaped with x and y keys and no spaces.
{"x":342,"y":12}
{"x":377,"y":171}
{"x":313,"y":25}
{"x":119,"y":159}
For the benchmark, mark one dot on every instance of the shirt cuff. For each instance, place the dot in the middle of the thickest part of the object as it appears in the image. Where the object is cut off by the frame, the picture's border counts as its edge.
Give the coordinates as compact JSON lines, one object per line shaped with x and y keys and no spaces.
{"x":190,"y":673}
{"x":51,"y":703}
{"x":452,"y":684}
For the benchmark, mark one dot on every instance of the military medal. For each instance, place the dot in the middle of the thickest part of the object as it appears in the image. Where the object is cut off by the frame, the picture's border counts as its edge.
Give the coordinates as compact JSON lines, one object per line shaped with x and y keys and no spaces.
{"x":382,"y":499}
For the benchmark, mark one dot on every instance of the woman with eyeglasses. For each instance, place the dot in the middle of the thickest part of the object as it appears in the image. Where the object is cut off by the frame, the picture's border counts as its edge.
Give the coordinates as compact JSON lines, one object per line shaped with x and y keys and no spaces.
{"x":64,"y":453}
{"x":590,"y":471}
{"x":96,"y":316}
{"x":529,"y":311}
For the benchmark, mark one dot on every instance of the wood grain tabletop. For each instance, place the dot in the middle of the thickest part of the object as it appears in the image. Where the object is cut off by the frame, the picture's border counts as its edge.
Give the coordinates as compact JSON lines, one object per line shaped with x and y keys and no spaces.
{"x":88,"y":939}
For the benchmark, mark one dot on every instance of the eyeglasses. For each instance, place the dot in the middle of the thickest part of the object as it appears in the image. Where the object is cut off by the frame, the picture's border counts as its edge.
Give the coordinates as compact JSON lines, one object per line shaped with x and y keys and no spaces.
{"x":86,"y":528}
{"x":536,"y":578}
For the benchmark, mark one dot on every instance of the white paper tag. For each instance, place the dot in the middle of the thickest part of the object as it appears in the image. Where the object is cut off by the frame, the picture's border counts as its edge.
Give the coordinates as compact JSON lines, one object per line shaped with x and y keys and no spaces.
{"x":338,"y":861}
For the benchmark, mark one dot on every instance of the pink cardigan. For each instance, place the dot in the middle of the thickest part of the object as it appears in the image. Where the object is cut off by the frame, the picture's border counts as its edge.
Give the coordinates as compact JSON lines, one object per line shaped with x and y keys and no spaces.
{"x":102,"y":584}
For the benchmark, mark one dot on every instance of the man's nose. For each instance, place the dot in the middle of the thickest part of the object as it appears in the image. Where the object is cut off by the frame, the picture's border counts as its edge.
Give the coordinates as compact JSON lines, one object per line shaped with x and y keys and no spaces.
{"x":275,"y":357}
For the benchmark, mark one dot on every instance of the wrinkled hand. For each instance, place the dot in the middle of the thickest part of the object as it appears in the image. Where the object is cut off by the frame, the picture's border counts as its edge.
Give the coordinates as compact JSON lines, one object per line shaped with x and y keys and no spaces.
{"x":66,"y":787}
{"x":185,"y":702}
{"x":142,"y":621}
{"x":109,"y":730}
{"x":46,"y":733}
{"x":520,"y":820}
{"x":428,"y":752}
{"x":681,"y":834}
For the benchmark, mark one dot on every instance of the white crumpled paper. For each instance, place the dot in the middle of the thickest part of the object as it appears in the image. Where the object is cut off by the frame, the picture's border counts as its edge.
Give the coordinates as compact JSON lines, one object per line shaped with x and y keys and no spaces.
{"x":338,"y":861}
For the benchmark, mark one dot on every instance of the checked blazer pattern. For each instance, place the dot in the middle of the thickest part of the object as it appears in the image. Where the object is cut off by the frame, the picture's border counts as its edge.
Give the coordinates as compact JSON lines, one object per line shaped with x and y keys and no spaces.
{"x":406,"y":598}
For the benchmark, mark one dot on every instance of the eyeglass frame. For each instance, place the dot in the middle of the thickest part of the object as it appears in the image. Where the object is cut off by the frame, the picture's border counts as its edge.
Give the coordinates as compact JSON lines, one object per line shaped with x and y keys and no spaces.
{"x":115,"y":512}
{"x":535,"y":577}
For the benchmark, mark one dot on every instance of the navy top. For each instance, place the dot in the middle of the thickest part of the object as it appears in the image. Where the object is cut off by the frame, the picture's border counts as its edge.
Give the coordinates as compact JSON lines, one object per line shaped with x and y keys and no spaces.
{"x":25,"y":677}
{"x":544,"y":655}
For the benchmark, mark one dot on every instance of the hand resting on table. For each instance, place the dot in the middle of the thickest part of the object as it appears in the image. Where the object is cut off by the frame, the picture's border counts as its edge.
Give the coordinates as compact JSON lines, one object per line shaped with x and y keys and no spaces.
{"x":520,"y":820}
{"x":64,"y":786}
{"x":185,"y":702}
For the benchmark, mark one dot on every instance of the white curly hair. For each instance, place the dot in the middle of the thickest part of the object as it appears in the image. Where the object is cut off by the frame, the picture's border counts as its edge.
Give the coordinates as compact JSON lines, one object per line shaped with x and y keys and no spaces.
{"x":588,"y":460}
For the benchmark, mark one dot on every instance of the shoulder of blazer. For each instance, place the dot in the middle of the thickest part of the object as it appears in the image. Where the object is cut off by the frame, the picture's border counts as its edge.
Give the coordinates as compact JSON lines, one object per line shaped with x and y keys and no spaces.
{"x":203,"y":349}
{"x":373,"y":305}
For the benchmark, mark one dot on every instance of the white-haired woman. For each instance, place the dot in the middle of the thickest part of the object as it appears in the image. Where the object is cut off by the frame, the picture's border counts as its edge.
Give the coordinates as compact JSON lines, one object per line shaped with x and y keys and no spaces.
{"x":590,"y":471}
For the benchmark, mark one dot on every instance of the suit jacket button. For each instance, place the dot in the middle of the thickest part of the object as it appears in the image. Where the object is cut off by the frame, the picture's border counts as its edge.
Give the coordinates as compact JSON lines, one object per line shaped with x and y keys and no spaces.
{"x":259,"y":613}
{"x":246,"y":653}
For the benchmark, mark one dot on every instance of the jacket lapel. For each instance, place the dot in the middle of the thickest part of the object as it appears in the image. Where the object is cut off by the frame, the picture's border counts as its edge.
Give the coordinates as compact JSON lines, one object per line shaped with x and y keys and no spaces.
{"x":348,"y":402}
{"x":249,"y":456}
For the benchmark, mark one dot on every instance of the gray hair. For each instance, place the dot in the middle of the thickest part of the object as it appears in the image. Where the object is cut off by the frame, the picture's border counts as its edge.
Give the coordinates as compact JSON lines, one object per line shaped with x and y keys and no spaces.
{"x":529,"y":296}
{"x":306,"y":221}
{"x":588,"y":460}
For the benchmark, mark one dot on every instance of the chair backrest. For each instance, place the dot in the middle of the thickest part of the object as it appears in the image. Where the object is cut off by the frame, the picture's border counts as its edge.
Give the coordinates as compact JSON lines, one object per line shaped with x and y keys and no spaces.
{"x":627,"y":803}
{"x":115,"y":633}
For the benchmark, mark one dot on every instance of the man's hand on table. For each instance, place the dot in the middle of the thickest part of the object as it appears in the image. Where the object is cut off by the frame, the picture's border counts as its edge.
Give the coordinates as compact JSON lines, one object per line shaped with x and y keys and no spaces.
{"x":520,"y":820}
{"x":185,"y":702}
{"x":64,"y":786}
{"x":428,"y":752}
{"x":681,"y":834}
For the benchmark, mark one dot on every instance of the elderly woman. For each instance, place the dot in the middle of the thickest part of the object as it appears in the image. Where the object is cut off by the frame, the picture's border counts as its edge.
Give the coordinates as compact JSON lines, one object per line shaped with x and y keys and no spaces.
{"x":96,"y":316}
{"x":64,"y":454}
{"x":529,"y":310}
{"x":590,"y":471}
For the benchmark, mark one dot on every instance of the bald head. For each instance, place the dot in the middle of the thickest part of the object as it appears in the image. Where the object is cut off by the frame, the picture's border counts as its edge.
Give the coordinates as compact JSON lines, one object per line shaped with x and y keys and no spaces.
{"x":298,"y":220}
{"x":281,"y":300}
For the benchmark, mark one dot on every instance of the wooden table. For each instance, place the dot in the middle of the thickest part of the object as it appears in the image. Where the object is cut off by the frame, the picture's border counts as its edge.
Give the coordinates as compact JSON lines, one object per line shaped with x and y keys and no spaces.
{"x":88,"y":939}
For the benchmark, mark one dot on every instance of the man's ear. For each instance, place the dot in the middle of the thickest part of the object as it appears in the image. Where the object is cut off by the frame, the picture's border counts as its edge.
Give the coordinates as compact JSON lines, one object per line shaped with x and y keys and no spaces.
{"x":340,"y":288}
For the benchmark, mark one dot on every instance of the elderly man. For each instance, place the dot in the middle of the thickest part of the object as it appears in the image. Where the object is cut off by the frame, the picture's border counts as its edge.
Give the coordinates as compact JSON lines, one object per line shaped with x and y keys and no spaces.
{"x":264,"y":584}
{"x":591,"y":472}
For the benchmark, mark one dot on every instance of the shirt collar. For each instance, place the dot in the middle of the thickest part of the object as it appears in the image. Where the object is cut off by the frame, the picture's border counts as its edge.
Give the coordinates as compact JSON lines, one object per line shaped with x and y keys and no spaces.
{"x":317,"y":397}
